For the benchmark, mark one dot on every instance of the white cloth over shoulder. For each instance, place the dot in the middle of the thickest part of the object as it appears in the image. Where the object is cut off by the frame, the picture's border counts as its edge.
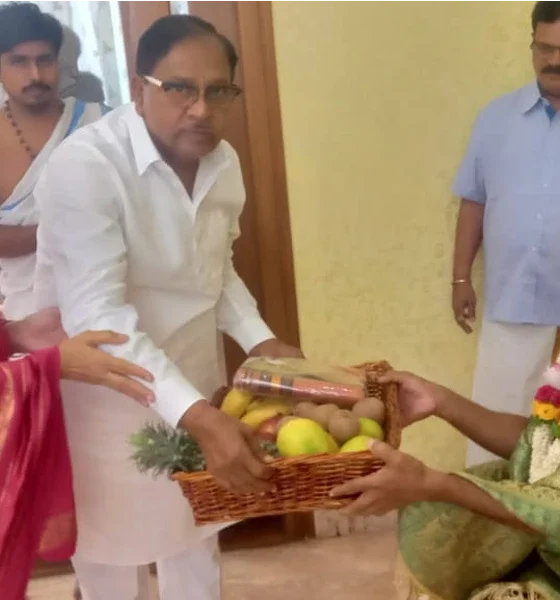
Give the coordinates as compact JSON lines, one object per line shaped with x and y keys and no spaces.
{"x":122,"y":246}
{"x":16,"y":274}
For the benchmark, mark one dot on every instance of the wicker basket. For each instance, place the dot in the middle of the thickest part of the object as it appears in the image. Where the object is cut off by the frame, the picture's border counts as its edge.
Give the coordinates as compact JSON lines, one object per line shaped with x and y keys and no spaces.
{"x":301,"y":484}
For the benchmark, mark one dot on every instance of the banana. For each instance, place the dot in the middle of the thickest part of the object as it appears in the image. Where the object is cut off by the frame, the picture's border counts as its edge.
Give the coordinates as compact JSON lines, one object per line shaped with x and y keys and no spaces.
{"x":236,"y":403}
{"x":272,"y":402}
{"x":254,"y":404}
{"x":258,"y":416}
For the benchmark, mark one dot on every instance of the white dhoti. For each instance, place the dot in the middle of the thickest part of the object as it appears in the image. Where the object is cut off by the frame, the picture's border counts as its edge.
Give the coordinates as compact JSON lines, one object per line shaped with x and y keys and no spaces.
{"x":127,"y":520}
{"x":190,"y":575}
{"x":510,"y":365}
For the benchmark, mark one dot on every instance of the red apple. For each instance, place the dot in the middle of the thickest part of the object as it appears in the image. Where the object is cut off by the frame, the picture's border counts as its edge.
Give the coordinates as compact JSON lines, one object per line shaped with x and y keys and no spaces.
{"x":269,"y":428}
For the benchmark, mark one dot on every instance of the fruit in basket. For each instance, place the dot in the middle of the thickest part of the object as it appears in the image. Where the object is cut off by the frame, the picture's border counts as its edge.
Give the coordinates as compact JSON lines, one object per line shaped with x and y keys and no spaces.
{"x":372,"y":408}
{"x":236,"y":402}
{"x":159,"y":449}
{"x":305,"y":410}
{"x":286,"y":406}
{"x":268,"y":430}
{"x":371,"y":428}
{"x":258,"y":416}
{"x":255,"y":403}
{"x":333,"y":446}
{"x":323,"y":413}
{"x":359,"y":443}
{"x":284,"y":420}
{"x":343,"y":425}
{"x":302,"y":436}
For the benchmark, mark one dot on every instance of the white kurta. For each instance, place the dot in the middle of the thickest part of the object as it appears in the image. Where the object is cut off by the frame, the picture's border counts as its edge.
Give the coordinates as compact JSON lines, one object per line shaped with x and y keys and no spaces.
{"x":122,"y":246}
{"x":16,"y":274}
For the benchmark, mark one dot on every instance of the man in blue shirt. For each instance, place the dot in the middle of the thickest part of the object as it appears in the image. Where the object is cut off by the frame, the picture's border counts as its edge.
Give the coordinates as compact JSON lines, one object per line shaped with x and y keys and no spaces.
{"x":509,"y":183}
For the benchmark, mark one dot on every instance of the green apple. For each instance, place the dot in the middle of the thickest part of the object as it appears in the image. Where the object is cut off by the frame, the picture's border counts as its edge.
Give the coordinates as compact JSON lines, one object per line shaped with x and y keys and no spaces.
{"x":359,"y":443}
{"x":371,"y":428}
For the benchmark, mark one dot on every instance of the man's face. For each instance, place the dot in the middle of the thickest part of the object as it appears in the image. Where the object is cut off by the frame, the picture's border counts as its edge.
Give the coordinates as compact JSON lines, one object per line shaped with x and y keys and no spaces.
{"x":188,"y":120}
{"x":546,"y":57}
{"x":29,"y":74}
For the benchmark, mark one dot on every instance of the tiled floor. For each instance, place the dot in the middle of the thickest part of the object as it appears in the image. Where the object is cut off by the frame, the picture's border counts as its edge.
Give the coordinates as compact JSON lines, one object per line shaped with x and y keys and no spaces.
{"x":355,"y":567}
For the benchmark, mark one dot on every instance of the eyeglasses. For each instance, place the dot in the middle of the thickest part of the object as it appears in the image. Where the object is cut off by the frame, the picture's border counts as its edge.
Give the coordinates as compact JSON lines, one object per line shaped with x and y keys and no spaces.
{"x":186,"y":94}
{"x":545,"y":50}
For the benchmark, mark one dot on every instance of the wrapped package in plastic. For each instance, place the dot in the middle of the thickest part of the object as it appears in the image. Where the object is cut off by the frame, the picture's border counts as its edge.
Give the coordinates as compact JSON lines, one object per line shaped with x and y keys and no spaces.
{"x":301,"y":379}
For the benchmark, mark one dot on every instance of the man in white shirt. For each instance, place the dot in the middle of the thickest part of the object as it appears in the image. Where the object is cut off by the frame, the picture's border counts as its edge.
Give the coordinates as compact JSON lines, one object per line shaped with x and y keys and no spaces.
{"x":33,"y":122}
{"x":138,"y":215}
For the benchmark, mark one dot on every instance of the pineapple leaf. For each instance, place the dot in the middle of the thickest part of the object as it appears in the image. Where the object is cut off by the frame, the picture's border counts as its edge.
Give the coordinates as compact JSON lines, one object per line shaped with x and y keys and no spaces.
{"x":160,"y":449}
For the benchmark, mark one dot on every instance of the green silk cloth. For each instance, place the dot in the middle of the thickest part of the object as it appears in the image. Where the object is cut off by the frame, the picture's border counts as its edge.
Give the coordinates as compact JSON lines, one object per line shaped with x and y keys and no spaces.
{"x":449,"y":553}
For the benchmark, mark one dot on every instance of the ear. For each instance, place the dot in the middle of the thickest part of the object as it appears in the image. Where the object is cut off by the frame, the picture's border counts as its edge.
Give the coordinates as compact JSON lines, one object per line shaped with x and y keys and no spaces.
{"x":137,"y":90}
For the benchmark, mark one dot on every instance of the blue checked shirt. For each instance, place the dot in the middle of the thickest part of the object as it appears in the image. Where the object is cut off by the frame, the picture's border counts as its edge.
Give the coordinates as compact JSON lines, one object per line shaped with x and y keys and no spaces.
{"x":512,"y":166}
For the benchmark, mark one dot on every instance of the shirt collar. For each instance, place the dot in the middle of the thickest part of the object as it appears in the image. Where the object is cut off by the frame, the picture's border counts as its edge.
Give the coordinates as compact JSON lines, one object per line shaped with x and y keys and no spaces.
{"x":530,"y":97}
{"x":146,"y":153}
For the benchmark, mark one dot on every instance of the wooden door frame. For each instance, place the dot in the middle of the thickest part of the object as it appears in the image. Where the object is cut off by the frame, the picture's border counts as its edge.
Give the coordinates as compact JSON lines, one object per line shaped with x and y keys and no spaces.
{"x":261,"y":147}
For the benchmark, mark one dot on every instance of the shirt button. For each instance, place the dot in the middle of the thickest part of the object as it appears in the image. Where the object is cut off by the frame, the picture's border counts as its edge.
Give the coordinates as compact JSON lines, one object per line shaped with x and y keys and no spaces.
{"x":539,"y":216}
{"x":534,"y":249}
{"x":545,"y":185}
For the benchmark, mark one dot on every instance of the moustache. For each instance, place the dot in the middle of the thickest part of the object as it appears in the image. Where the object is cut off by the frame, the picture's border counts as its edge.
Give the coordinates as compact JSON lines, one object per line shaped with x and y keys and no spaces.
{"x":552,"y":70}
{"x":43,"y":87}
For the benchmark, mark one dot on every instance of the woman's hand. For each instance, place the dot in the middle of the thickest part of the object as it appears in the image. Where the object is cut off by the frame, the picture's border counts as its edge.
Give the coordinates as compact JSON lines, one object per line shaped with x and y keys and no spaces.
{"x":81,"y":360}
{"x":418,"y":398}
{"x":39,"y":330}
{"x":402,"y":481}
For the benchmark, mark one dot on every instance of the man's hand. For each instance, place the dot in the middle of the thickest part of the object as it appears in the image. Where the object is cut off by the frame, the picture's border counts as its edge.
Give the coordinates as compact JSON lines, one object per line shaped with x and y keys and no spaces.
{"x":274,"y":348}
{"x":232,"y":452}
{"x":418,"y":398}
{"x":464,"y":305}
{"x":402,"y":481}
{"x":40,"y":330}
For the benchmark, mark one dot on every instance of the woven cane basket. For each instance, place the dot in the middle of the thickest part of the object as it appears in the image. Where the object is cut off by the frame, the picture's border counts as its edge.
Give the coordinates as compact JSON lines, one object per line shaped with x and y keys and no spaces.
{"x":301,"y":484}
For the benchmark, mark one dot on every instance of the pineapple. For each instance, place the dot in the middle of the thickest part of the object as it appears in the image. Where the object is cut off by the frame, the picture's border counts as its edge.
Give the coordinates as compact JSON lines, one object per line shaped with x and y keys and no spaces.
{"x":160,"y":449}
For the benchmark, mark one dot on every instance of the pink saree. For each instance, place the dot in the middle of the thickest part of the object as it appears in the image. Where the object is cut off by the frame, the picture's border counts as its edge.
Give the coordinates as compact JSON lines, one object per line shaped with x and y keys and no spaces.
{"x":37,"y":516}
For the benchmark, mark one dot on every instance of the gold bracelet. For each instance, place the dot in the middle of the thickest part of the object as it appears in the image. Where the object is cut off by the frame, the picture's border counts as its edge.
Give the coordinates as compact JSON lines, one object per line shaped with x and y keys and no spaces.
{"x":458,"y":281}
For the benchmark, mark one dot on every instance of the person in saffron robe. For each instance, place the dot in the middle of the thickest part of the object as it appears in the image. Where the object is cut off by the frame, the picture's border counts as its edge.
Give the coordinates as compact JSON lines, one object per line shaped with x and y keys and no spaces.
{"x":36,"y":497}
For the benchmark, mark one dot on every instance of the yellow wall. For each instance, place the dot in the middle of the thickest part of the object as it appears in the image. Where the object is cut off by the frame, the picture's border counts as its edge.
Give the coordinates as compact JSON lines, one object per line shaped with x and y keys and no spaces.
{"x":377,"y":102}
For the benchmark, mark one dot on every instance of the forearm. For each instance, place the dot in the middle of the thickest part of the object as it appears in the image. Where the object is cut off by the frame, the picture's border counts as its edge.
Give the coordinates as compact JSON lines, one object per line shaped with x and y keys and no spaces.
{"x":453,"y":489}
{"x":238,"y":315}
{"x":17,"y":240}
{"x":496,"y":432}
{"x":468,"y":238}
